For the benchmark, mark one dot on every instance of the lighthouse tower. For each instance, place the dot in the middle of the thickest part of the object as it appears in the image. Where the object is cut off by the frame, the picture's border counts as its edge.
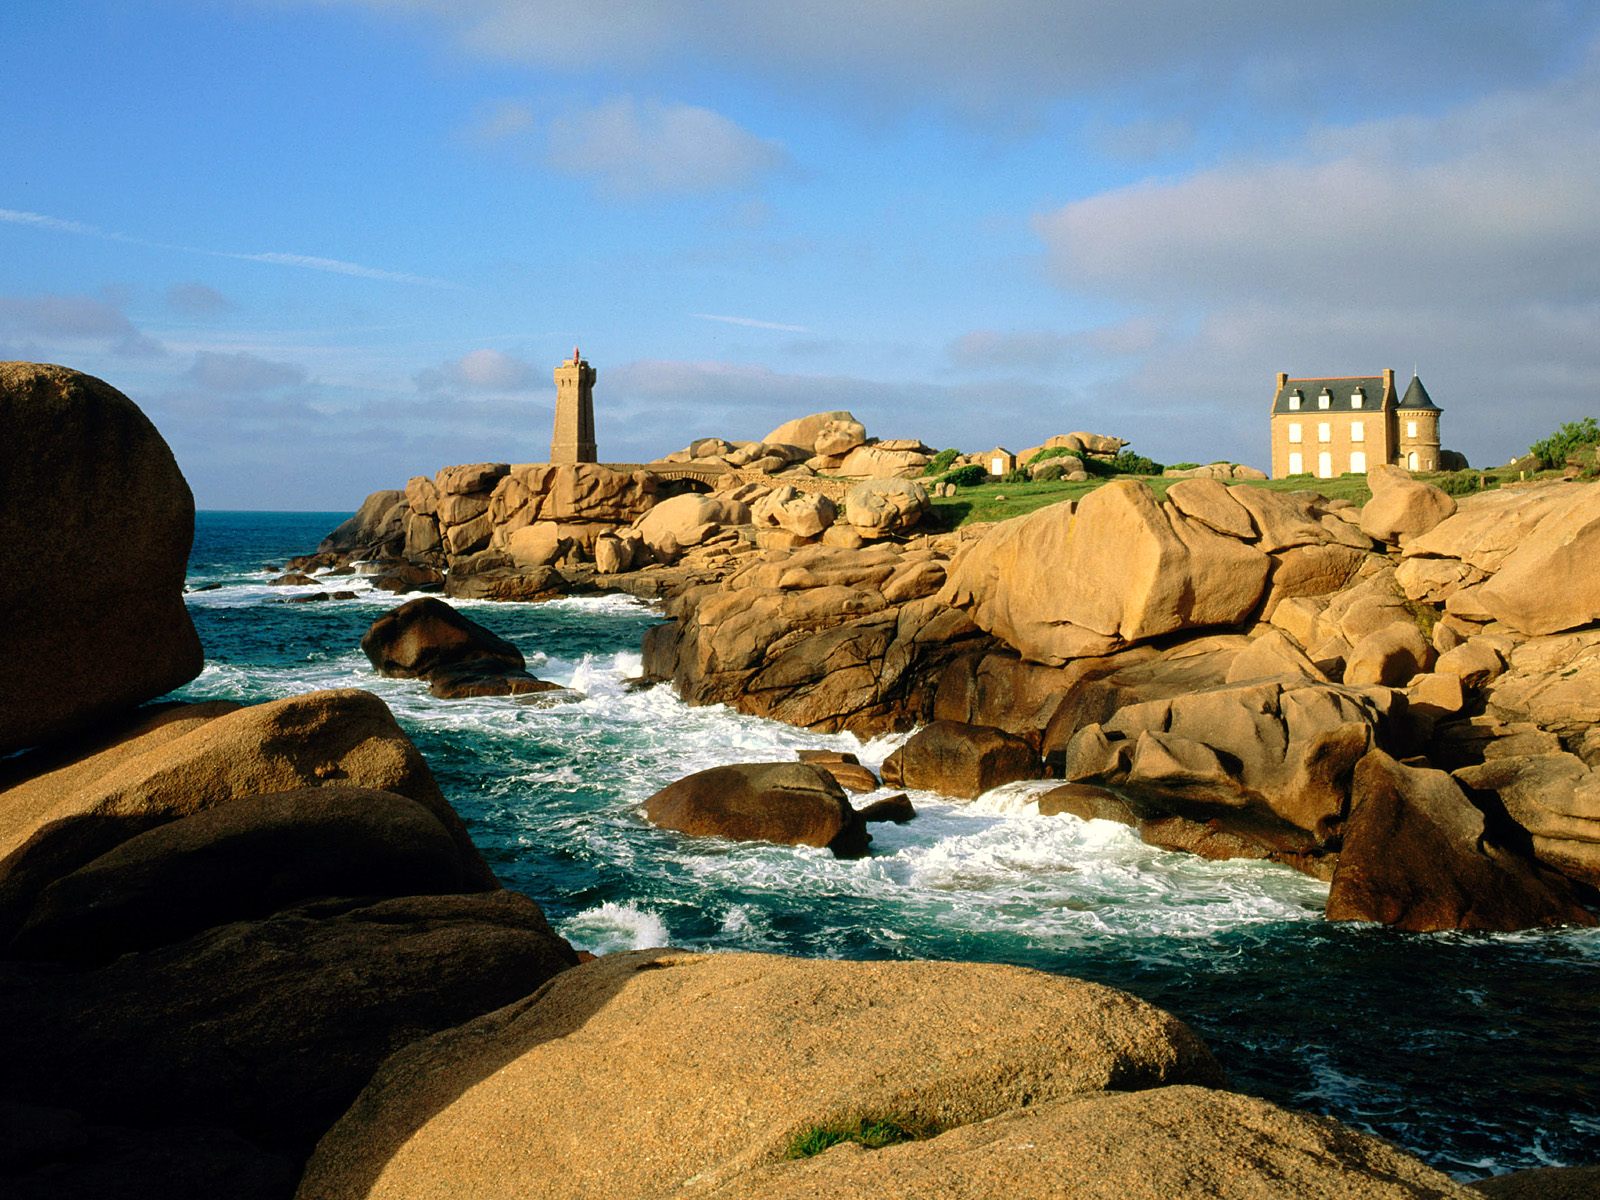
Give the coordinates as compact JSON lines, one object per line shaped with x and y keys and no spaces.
{"x":573,"y":441}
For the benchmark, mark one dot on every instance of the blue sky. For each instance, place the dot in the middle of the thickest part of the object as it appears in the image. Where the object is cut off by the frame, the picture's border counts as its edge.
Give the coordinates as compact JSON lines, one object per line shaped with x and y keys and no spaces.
{"x":329,"y":244}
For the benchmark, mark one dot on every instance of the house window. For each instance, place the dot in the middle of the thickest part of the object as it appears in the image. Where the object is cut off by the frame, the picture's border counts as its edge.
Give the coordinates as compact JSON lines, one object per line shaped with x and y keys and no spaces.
{"x":1325,"y":399}
{"x":1294,"y":402}
{"x":997,"y":467}
{"x":1358,"y":431}
{"x":1358,"y":461}
{"x":1297,"y":463}
{"x":1324,"y":465}
{"x":1324,"y":431}
{"x":1357,"y":398}
{"x":1294,"y":431}
{"x":1411,"y":429}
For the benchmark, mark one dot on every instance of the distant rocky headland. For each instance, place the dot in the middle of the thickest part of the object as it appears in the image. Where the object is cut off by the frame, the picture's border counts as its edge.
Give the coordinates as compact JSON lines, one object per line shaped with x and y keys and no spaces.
{"x":253,"y":951}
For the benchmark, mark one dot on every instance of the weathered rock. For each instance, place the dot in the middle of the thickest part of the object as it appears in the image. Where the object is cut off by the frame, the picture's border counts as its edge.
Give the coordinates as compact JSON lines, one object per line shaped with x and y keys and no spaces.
{"x":1401,"y":507}
{"x":897,"y":809}
{"x":1476,"y":663}
{"x":1212,"y":504}
{"x":1282,"y":748}
{"x":1548,"y":583}
{"x":426,"y":637}
{"x":377,"y":530}
{"x":710,"y":1064}
{"x":804,"y":514}
{"x":1417,"y":855}
{"x":957,"y":759}
{"x":409,"y":577}
{"x":179,"y":761}
{"x":571,"y":492}
{"x":845,"y":769}
{"x":1059,"y":584}
{"x":492,"y":576}
{"x":880,"y":461}
{"x":820,"y":433}
{"x":1555,"y":797}
{"x":245,"y":859}
{"x":886,"y":506}
{"x":292,"y":579}
{"x":795,"y":804}
{"x":269,"y":1028}
{"x":1157,"y":1144}
{"x":1389,"y":656}
{"x":688,"y":520}
{"x":470,"y":684}
{"x":100,"y":514}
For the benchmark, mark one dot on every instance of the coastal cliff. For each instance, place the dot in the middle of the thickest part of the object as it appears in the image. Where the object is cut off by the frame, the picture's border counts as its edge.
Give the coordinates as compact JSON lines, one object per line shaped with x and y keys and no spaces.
{"x":253,"y":951}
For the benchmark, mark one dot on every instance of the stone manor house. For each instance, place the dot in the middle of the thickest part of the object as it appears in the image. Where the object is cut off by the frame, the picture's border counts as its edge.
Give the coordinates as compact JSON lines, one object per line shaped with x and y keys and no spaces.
{"x":1328,"y":427}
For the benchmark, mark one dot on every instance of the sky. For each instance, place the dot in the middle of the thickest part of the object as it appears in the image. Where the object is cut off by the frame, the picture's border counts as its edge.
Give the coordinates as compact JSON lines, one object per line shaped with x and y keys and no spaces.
{"x":330,"y":244}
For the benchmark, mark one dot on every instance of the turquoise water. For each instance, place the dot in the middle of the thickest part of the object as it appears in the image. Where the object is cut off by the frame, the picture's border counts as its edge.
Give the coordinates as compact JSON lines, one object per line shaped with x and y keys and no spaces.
{"x":1475,"y":1052}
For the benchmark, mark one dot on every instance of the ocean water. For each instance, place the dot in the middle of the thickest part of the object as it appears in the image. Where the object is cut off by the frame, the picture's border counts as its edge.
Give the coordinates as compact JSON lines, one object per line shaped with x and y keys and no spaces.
{"x":1477,"y":1053}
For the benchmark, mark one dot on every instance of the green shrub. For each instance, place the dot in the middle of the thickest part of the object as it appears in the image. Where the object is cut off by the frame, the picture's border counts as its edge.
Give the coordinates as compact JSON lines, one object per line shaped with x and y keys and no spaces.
{"x":1126,"y":463}
{"x":968,"y":476}
{"x":872,"y":1135}
{"x":1554,"y":450}
{"x":1018,"y":475}
{"x":1463,"y":483}
{"x":941,"y":462}
{"x":1183,"y":466}
{"x":1052,"y":452}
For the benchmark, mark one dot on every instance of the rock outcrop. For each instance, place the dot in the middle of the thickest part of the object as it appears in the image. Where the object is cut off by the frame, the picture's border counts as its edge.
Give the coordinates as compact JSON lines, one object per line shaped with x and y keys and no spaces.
{"x":711,"y":1064}
{"x":1156,"y":1144}
{"x":98,"y":510}
{"x":1417,"y":855}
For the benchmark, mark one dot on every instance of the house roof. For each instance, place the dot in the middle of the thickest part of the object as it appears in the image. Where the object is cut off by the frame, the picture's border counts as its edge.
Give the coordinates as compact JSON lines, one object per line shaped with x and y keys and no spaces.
{"x":1417,"y":396}
{"x":1340,"y":388}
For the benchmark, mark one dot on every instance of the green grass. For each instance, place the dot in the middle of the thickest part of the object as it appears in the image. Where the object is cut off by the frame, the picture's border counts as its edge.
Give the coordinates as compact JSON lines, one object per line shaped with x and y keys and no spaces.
{"x":870,"y":1134}
{"x":999,"y":501}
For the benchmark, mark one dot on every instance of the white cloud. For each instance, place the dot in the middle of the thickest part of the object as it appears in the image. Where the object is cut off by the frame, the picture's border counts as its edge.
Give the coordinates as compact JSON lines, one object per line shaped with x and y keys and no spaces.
{"x":750,"y":323}
{"x":1010,"y":54}
{"x":480,"y":370}
{"x":1464,"y":241}
{"x":57,"y":326}
{"x":195,"y":299}
{"x":242,"y":373}
{"x":309,"y":262}
{"x":633,"y":148}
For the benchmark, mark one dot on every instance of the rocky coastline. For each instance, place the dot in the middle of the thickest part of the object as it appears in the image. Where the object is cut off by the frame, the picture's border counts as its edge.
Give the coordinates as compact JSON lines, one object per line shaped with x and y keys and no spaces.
{"x":253,"y":951}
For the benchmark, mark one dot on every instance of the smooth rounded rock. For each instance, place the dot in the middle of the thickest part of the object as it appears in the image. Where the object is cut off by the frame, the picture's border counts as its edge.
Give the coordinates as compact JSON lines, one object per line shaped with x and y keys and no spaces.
{"x":100,"y":516}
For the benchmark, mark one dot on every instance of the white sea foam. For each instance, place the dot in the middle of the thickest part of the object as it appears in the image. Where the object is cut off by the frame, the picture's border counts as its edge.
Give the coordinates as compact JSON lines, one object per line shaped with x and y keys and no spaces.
{"x":610,"y":927}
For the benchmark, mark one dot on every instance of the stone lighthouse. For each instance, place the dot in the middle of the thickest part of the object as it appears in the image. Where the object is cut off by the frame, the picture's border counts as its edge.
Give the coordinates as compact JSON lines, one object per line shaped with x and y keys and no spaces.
{"x":573,"y":441}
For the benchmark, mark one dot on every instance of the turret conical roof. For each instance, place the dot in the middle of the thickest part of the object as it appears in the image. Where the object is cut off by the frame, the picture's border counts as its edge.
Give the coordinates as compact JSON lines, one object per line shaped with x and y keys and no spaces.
{"x":1417,"y":396}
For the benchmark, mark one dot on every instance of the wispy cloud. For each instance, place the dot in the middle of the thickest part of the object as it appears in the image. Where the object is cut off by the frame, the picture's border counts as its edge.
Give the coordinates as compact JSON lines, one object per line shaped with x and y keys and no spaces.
{"x":309,"y":262}
{"x":751,"y":323}
{"x":635,"y":148}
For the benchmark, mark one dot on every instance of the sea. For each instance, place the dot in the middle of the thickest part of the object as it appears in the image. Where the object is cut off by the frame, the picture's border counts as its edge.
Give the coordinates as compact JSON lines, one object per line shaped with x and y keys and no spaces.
{"x":1477,"y":1053}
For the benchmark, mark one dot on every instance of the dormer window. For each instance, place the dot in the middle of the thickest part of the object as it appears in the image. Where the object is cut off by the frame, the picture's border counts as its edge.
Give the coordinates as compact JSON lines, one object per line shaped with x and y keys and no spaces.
{"x":1325,"y":399}
{"x":1294,"y":400}
{"x":1358,"y":398}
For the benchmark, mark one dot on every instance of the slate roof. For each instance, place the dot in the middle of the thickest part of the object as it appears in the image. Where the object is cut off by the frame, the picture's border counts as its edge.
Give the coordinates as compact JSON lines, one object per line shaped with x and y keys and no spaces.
{"x":1417,"y":397}
{"x":1340,"y":388}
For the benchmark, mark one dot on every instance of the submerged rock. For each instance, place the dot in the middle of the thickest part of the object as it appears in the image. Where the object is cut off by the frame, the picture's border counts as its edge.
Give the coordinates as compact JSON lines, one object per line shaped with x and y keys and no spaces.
{"x":795,"y":804}
{"x":428,"y":639}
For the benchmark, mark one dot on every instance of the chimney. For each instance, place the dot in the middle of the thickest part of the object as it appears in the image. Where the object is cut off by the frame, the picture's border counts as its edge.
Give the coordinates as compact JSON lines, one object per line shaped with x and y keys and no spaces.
{"x":1283,"y":378}
{"x":1388,"y":381}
